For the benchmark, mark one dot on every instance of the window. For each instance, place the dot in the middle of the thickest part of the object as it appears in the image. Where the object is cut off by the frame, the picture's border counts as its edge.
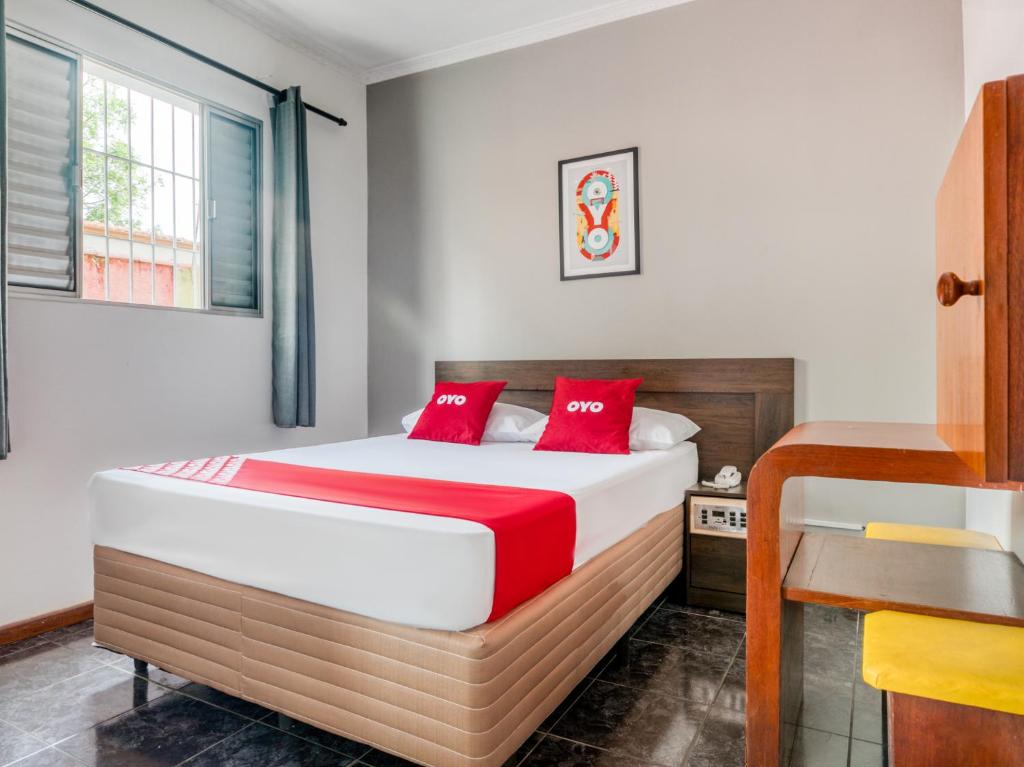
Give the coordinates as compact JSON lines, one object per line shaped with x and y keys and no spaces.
{"x":123,"y":190}
{"x":141,"y":193}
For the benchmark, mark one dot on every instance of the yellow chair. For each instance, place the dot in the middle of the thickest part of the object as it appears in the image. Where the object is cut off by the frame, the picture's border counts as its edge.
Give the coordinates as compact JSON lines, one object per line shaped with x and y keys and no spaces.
{"x":954,"y":690}
{"x":940,"y":536}
{"x":937,"y":674}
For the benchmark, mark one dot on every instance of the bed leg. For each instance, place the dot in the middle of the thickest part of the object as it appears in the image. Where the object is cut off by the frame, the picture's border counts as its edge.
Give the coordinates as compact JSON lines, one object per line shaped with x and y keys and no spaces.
{"x":141,"y":667}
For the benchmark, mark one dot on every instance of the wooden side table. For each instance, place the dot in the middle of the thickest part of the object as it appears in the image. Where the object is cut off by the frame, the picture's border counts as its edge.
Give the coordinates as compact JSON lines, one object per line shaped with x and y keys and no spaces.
{"x":785,"y":567}
{"x":715,"y":566}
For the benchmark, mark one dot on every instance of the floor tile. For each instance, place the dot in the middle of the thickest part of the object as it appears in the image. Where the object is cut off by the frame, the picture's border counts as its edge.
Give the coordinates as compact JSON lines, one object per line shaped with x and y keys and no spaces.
{"x":705,"y":611}
{"x":162,"y":733}
{"x":668,"y":670}
{"x":267,"y":747}
{"x":158,"y":675}
{"x":715,"y":636}
{"x":864,"y":754}
{"x":556,"y":752}
{"x":524,"y":750}
{"x":644,"y":725}
{"x":48,"y":757}
{"x":73,"y":630}
{"x":721,"y":740}
{"x":733,"y":694}
{"x":565,"y":705}
{"x":602,"y":664}
{"x":827,"y":705}
{"x":644,"y":617}
{"x":16,"y":743}
{"x":24,"y":644}
{"x":40,"y":666}
{"x":316,"y":735}
{"x":830,"y":656}
{"x":867,"y":712}
{"x":377,"y":758}
{"x":83,"y":643}
{"x":223,"y":700}
{"x":68,"y":707}
{"x":812,"y":748}
{"x":830,"y":621}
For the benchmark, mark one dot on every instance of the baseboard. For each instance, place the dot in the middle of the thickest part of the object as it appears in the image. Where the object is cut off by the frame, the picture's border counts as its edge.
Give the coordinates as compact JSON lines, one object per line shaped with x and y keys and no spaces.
{"x":30,"y":627}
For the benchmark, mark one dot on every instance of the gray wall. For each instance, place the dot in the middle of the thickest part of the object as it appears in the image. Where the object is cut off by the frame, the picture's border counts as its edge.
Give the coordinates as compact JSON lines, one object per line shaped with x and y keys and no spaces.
{"x":789,"y":156}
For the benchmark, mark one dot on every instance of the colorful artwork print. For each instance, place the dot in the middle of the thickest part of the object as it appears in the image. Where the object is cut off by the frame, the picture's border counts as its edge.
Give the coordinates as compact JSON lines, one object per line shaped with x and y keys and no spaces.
{"x":597,"y":220}
{"x":598,"y":202}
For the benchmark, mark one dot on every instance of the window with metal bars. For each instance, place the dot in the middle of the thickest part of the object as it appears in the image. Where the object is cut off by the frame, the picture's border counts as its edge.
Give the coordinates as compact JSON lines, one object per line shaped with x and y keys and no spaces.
{"x":127,"y":191}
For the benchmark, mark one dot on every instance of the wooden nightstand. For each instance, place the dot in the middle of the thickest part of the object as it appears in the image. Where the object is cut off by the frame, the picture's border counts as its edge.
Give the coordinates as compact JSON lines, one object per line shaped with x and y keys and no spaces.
{"x":715,"y":562}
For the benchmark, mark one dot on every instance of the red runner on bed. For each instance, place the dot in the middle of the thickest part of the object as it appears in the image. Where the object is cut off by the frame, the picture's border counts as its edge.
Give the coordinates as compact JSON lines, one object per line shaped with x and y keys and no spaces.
{"x":534,"y":530}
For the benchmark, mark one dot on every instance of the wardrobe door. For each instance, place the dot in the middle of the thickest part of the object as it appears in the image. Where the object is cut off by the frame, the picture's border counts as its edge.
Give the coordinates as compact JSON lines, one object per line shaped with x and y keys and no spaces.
{"x":971,"y":243}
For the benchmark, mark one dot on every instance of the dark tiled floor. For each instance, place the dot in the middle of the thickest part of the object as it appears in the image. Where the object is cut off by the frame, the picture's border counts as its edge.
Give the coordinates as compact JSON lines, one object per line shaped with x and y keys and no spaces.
{"x":672,"y":695}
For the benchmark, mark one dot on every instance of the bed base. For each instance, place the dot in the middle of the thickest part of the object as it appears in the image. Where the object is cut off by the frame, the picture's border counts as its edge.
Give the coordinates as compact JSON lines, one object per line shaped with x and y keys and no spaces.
{"x":439,"y":698}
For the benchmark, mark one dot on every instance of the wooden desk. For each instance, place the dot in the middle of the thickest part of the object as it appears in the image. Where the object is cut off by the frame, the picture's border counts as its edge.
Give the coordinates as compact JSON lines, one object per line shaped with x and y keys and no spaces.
{"x":944,"y":581}
{"x":883,"y":452}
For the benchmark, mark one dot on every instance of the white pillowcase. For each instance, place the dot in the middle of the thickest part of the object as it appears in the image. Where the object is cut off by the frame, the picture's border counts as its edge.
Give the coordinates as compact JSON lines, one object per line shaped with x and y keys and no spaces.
{"x":506,"y":423}
{"x":650,"y":429}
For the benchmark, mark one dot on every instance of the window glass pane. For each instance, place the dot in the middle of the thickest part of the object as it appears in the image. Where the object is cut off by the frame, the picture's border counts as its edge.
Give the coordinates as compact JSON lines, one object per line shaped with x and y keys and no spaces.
{"x":163,"y":206}
{"x":142,"y":202}
{"x":164,"y":278}
{"x":93,"y":127}
{"x":142,"y":273}
{"x":163,"y":135}
{"x":142,"y":127}
{"x":94,"y":257}
{"x":184,"y":213}
{"x":182,"y":141}
{"x":117,"y":120}
{"x":118,"y":278}
{"x":94,"y":189}
{"x":118,"y":191}
{"x":197,"y":154}
{"x":187,"y":280}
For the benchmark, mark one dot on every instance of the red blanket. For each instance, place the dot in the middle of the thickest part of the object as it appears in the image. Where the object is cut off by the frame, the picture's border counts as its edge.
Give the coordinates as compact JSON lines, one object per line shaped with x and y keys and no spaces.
{"x":534,"y":530}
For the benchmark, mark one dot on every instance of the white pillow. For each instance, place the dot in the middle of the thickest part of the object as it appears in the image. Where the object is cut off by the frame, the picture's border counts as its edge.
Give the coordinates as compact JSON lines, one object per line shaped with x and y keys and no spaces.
{"x":649,"y":430}
{"x":659,"y":430}
{"x":506,"y":423}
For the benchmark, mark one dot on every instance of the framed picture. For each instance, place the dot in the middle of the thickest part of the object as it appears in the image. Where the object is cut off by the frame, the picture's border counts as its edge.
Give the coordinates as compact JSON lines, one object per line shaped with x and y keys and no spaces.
{"x":598,"y":215}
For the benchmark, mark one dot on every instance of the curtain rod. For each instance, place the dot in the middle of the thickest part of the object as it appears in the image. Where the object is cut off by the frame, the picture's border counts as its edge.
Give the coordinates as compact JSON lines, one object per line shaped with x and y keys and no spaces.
{"x":198,"y":56}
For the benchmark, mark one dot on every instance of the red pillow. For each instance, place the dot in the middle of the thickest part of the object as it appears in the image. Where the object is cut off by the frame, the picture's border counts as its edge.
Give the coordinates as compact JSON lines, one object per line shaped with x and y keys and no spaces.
{"x":457,"y":412}
{"x":590,"y":416}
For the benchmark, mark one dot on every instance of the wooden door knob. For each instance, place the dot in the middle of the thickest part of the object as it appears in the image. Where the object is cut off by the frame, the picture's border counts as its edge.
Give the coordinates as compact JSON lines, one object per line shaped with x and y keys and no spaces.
{"x":951,"y":288}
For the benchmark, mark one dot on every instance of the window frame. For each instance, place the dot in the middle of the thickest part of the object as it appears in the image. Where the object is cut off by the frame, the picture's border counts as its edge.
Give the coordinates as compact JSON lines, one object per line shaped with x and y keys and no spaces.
{"x":207,"y":107}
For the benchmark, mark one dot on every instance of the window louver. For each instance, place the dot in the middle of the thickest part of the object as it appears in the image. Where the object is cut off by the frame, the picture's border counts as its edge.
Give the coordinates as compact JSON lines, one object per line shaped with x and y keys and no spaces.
{"x":41,"y":112}
{"x":234,"y":215}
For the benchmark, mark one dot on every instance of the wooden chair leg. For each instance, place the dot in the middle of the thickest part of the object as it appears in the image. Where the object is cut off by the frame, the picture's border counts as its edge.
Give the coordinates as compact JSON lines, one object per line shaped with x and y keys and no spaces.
{"x":885,"y":728}
{"x":932,"y":733}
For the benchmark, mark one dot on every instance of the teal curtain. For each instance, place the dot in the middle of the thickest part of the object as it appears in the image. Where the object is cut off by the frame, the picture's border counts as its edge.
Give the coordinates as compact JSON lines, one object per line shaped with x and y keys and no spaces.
{"x":5,"y":432}
{"x":294,"y":337}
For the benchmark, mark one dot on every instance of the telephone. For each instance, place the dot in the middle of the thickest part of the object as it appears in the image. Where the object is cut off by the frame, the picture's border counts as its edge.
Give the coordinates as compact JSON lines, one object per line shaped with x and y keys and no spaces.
{"x":727,"y":478}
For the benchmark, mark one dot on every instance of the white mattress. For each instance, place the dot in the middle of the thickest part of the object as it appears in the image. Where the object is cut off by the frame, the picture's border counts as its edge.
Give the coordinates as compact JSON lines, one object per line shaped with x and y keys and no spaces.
{"x":415,"y":569}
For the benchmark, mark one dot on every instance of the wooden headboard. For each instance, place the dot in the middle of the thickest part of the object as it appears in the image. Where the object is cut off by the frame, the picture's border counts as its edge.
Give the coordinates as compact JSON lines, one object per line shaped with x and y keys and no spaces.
{"x":742,"y":405}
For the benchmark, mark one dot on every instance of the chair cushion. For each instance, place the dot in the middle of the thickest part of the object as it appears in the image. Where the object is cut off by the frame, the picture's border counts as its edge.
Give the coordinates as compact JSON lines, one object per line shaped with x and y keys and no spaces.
{"x":940,"y":536}
{"x":973,"y":664}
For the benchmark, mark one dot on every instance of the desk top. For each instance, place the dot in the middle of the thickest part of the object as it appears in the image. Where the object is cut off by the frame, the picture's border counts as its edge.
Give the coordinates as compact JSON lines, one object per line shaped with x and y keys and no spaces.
{"x":945,"y":581}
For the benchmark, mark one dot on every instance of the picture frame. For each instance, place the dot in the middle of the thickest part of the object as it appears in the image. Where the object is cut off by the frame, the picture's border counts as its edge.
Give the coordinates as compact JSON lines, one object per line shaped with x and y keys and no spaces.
{"x":599,"y":215}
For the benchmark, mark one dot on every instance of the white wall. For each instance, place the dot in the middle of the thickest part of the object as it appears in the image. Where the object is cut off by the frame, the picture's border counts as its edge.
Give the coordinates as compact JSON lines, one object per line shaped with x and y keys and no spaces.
{"x":993,"y":50}
{"x":95,"y":387}
{"x":790,"y":152}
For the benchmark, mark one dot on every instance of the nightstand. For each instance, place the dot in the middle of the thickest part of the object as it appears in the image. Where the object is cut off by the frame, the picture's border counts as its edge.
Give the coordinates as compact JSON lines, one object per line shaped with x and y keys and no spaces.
{"x":715,"y":547}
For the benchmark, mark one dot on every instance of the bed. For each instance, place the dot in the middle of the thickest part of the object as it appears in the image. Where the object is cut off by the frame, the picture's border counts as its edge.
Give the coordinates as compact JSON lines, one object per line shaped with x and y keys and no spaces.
{"x":372,"y":623}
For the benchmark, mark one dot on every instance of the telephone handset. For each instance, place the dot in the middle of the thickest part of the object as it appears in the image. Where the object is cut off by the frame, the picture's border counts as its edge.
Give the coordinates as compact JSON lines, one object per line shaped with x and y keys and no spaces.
{"x":727,"y":478}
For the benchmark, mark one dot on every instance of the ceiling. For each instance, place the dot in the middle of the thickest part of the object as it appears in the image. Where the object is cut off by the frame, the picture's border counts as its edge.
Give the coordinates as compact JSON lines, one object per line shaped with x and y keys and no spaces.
{"x":381,"y":39}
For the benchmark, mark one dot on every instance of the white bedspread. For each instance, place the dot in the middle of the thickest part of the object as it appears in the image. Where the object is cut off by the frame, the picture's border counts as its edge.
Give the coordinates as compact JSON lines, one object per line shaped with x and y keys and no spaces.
{"x":415,"y":569}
